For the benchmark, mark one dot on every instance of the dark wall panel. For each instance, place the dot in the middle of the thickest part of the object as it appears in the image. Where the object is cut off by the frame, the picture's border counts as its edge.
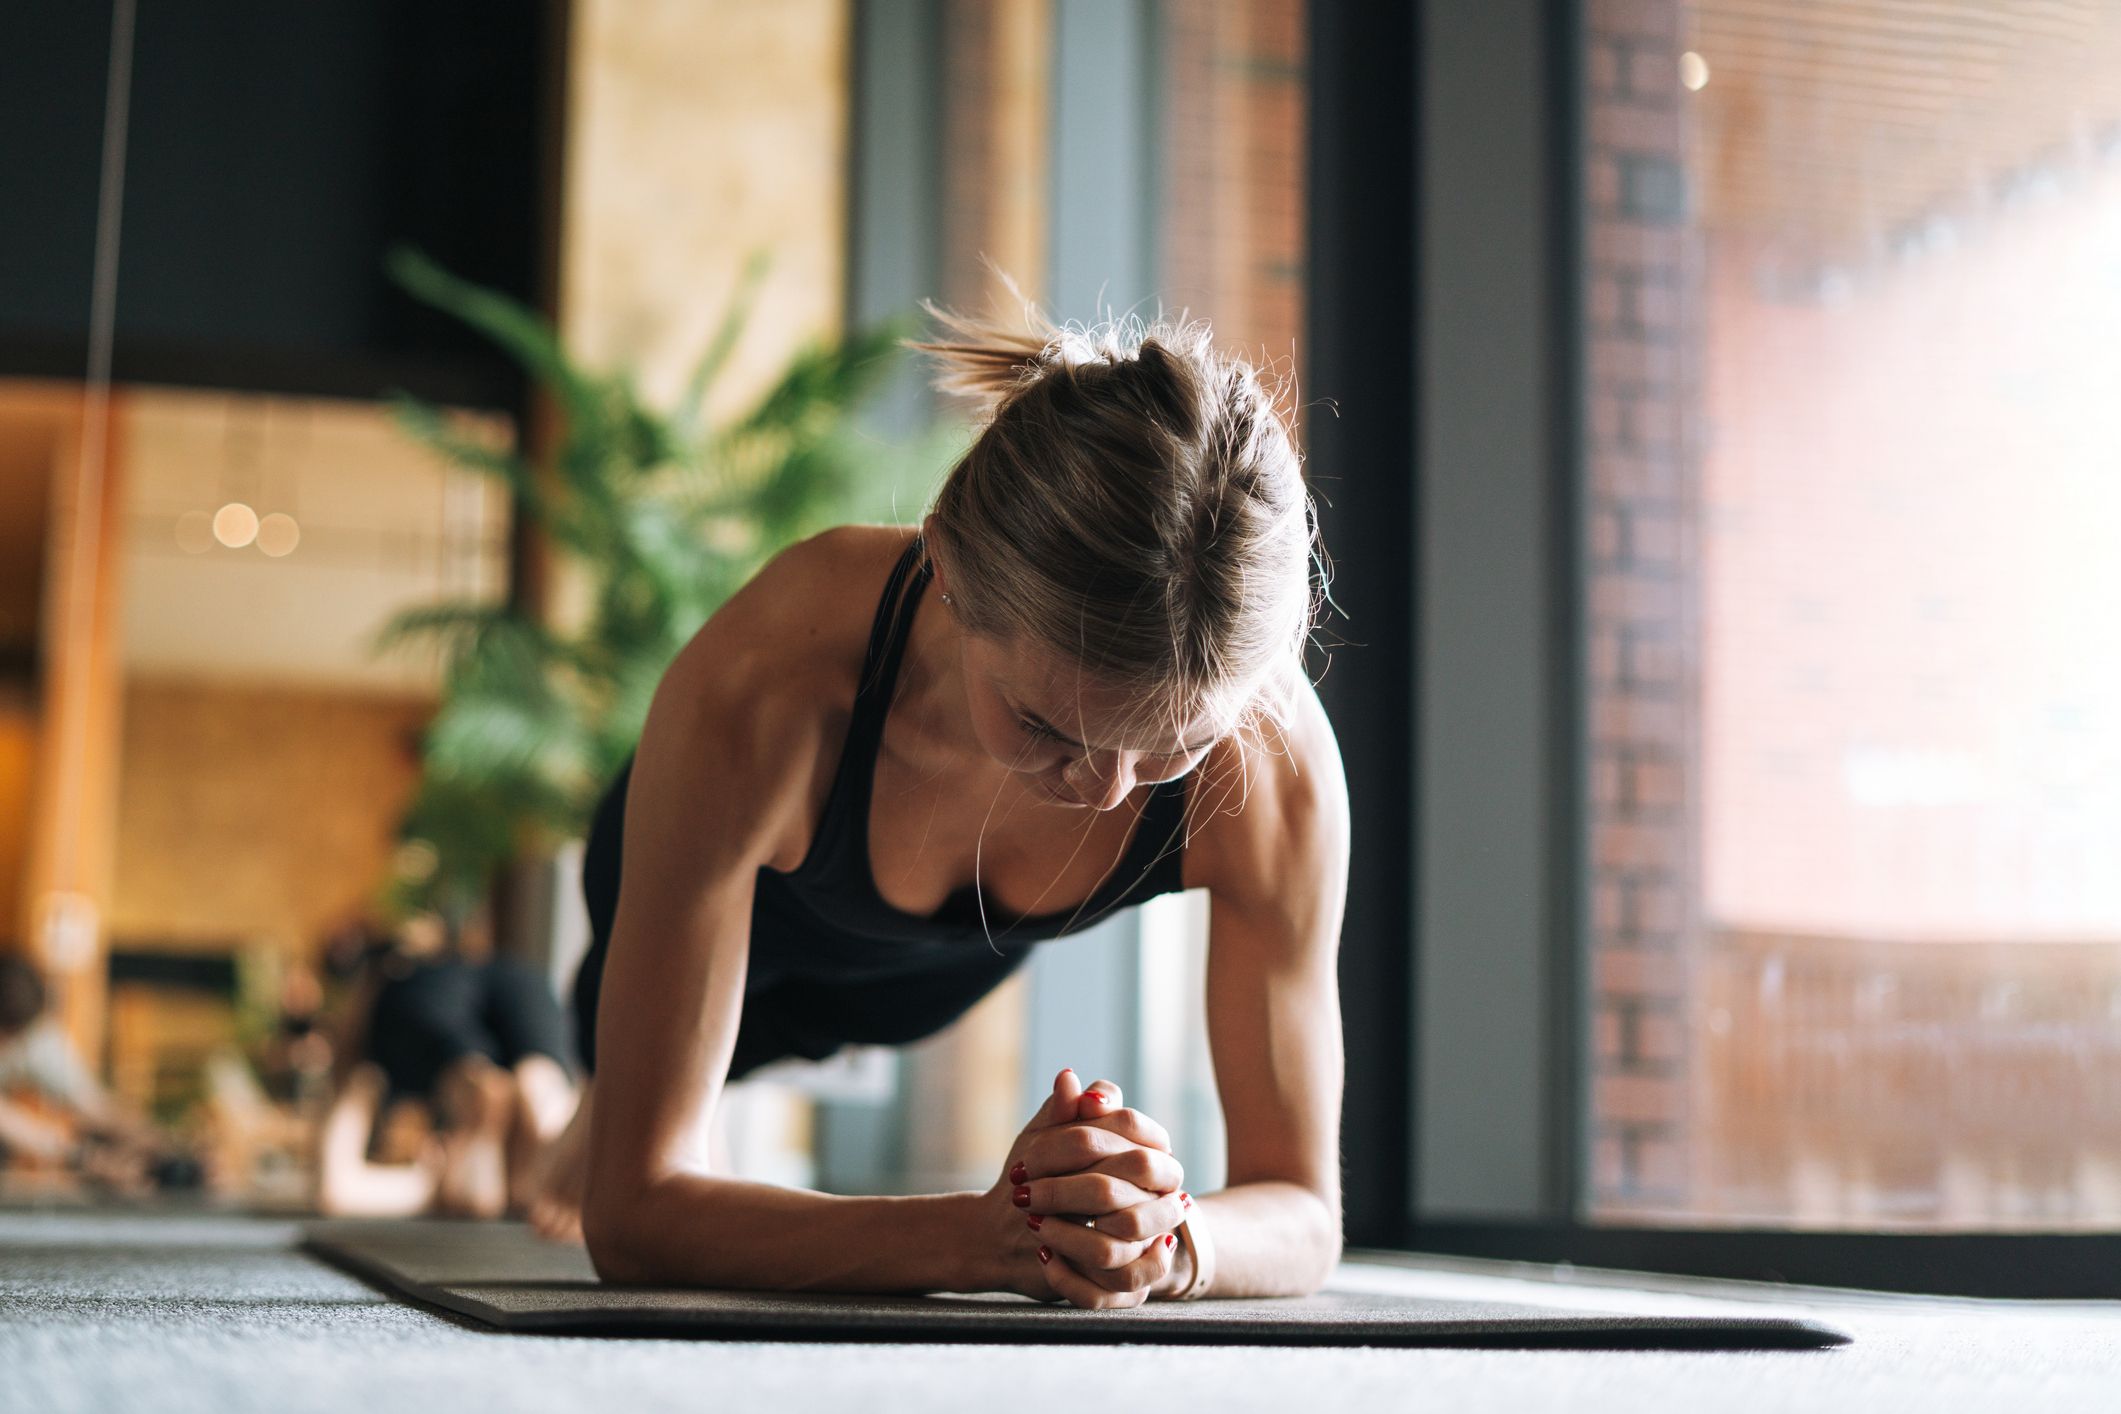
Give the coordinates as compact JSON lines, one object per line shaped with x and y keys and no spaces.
{"x":275,"y":151}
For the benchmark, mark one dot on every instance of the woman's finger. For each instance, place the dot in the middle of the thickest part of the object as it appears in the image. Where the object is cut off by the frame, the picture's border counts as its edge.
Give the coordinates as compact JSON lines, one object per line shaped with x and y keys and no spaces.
{"x":1073,"y":1148}
{"x":1134,"y":1125}
{"x":1071,"y":1286}
{"x":1114,"y":1265}
{"x":1151,"y":1170}
{"x":1132,"y":1226}
{"x":1056,"y":1110}
{"x":1101,"y":1098}
{"x":1090,"y":1250}
{"x":1061,"y":1105}
{"x":1089,"y":1194}
{"x":1144,"y":1272}
{"x":1068,"y":1148}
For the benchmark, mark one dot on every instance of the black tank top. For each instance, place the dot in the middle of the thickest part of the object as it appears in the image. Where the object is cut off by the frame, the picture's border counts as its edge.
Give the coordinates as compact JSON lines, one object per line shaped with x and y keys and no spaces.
{"x":833,"y":884}
{"x":831,"y":961}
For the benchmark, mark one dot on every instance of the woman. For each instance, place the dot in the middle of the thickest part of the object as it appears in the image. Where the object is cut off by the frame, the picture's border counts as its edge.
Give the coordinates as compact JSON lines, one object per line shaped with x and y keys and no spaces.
{"x":53,"y":1110}
{"x":479,"y":1044}
{"x":850,"y":818}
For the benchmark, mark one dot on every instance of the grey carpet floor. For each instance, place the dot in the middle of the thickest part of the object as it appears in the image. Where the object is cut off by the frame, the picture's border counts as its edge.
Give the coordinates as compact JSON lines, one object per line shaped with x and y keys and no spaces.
{"x":115,"y":1311}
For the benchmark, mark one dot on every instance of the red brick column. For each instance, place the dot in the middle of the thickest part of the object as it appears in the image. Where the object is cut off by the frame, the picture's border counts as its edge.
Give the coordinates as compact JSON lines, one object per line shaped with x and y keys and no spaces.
{"x":1232,"y":172}
{"x":1643,"y":518}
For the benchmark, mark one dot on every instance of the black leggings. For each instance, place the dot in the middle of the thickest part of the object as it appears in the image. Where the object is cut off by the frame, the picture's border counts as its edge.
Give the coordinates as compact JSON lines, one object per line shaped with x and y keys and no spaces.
{"x":440,"y":1012}
{"x":600,"y":891}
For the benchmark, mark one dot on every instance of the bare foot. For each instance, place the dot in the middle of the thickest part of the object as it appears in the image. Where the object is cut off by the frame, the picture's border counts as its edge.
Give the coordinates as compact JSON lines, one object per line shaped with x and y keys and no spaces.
{"x":545,"y":1102}
{"x":477,"y":1100}
{"x":558,"y":1178}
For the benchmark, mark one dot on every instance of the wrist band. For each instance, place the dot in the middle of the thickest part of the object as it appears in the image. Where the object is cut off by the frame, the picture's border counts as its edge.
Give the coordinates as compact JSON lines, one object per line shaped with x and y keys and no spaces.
{"x":1201,"y":1245}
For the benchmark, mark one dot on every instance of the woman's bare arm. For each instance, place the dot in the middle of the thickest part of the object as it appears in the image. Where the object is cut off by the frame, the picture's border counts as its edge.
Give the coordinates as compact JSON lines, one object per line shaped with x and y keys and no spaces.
{"x":348,"y":1185}
{"x":1276,"y":872}
{"x":719,"y":788}
{"x":30,"y":1133}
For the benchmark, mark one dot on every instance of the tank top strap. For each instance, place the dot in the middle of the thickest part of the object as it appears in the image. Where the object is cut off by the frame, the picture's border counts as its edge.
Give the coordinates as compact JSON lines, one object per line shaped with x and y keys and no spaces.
{"x":839,"y":850}
{"x":887,"y":640}
{"x":1164,"y":824}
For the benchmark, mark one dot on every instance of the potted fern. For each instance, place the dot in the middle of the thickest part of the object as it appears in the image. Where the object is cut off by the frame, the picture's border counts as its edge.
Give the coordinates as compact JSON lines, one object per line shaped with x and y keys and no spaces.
{"x":664,"y":516}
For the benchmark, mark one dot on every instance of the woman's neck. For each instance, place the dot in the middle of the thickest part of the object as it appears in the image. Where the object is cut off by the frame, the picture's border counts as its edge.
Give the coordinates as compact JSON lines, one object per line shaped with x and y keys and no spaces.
{"x":930,"y":696}
{"x":930,"y":725}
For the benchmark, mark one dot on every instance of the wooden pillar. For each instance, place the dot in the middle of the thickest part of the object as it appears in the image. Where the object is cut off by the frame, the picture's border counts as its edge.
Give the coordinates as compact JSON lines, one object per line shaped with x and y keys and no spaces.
{"x":66,"y":886}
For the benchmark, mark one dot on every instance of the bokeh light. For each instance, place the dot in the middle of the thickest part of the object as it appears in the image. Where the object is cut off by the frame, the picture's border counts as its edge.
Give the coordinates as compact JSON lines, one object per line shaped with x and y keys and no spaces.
{"x":235,"y":525}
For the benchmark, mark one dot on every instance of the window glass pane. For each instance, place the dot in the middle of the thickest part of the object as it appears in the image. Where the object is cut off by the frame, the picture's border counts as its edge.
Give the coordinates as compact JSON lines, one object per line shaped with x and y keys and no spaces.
{"x":1215,"y":229}
{"x":1854,"y":467}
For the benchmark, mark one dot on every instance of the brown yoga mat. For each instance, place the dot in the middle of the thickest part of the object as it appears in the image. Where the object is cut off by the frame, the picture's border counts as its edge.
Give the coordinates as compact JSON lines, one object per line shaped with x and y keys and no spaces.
{"x":503,"y":1275}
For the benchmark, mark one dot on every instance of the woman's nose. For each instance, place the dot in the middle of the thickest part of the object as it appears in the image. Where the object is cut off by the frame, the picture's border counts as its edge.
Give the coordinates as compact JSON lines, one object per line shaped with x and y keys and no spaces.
{"x":1103,"y":788}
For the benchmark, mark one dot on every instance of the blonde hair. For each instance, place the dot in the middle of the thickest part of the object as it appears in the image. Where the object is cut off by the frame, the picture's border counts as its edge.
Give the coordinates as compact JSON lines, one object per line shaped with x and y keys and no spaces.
{"x":1134,"y":499}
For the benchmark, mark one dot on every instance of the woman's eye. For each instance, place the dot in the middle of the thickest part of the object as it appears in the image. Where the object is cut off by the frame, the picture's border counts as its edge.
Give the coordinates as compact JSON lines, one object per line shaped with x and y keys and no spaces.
{"x":1037,"y":729}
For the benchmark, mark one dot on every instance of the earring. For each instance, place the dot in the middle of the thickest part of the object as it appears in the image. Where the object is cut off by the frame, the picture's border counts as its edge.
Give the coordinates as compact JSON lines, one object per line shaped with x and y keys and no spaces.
{"x":948,"y":600}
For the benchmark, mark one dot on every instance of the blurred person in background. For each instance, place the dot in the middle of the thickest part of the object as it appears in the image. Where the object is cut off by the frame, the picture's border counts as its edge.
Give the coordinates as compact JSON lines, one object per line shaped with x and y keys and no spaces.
{"x":855,"y":808}
{"x":451,"y":1078}
{"x":55,"y":1114}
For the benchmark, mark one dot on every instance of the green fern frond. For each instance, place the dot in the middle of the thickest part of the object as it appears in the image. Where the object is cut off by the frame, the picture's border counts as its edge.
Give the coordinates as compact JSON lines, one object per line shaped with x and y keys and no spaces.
{"x":665,"y":518}
{"x":516,"y":330}
{"x":709,"y":368}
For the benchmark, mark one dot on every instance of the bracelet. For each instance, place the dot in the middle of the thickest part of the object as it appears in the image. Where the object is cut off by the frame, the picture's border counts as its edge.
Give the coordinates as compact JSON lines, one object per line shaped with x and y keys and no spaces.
{"x":1201,"y":1246}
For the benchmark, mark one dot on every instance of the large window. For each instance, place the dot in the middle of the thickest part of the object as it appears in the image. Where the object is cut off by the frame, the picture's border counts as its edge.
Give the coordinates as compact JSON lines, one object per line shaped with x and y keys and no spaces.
{"x":1853,"y":472}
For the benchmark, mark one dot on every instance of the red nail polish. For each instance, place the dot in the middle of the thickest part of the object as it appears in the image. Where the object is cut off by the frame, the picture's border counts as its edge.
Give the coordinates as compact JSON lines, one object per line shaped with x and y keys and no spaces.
{"x":1022,"y":1196}
{"x":1186,"y":1198}
{"x":1018,"y":1173}
{"x":1064,"y":1070}
{"x":1170,"y":1239}
{"x":1095,"y":1097}
{"x":1045,"y":1254}
{"x":1034,"y":1221}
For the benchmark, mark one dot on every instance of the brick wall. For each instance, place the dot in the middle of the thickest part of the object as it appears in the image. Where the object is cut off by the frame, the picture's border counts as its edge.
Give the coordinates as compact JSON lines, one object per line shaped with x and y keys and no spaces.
{"x":1232,"y":173}
{"x":996,"y":99}
{"x":255,"y":813}
{"x":1643,"y":513}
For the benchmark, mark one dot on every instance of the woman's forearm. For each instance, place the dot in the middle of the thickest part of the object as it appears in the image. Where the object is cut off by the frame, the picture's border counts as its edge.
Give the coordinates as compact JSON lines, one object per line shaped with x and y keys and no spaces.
{"x":1271,"y":1239}
{"x":356,"y":1189}
{"x":24,"y":1130}
{"x":699,"y":1230}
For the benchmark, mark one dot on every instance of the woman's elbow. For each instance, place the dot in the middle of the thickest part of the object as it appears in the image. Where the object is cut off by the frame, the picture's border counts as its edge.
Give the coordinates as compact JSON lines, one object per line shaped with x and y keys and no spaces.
{"x":611,"y":1235}
{"x":1327,"y":1245}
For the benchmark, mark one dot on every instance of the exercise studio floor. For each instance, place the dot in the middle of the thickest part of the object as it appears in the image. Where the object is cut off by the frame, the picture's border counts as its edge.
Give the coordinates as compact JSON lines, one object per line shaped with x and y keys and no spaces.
{"x":126,"y":1311}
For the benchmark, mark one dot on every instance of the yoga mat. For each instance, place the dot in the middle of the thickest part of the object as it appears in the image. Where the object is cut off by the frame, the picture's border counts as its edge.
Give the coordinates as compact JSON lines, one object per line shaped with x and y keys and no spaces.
{"x":505,"y":1276}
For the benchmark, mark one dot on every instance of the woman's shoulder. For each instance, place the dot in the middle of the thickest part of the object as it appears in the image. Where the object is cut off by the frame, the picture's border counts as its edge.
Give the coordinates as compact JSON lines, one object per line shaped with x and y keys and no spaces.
{"x":804,"y":616}
{"x":760,"y":696}
{"x":1269,"y":798}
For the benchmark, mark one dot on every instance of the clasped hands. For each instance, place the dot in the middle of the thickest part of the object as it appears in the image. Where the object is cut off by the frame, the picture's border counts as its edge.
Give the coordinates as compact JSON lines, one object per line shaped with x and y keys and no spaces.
{"x":1090,"y":1198}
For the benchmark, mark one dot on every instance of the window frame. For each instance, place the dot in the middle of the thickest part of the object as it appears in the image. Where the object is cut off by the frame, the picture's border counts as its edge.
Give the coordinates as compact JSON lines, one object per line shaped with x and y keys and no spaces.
{"x":1448,"y":346}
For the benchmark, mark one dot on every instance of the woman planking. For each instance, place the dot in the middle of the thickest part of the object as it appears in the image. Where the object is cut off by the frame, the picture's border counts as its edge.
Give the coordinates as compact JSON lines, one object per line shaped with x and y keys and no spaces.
{"x":897,"y":760}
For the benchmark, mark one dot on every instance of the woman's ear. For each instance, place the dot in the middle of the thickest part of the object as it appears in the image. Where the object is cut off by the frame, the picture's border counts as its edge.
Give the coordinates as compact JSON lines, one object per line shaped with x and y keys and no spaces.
{"x":938,"y":568}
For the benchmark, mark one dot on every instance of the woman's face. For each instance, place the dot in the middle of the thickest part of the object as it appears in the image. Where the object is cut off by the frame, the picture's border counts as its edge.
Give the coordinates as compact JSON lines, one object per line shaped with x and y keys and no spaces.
{"x":1082,"y":744}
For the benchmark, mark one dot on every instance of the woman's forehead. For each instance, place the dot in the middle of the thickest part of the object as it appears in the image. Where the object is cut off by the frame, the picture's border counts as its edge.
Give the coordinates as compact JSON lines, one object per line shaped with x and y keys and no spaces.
{"x":1076,"y":703}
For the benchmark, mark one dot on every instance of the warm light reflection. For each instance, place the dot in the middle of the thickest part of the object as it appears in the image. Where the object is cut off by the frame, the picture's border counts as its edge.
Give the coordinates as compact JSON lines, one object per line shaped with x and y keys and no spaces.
{"x":278,"y":534}
{"x":1693,"y":71}
{"x":235,"y":525}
